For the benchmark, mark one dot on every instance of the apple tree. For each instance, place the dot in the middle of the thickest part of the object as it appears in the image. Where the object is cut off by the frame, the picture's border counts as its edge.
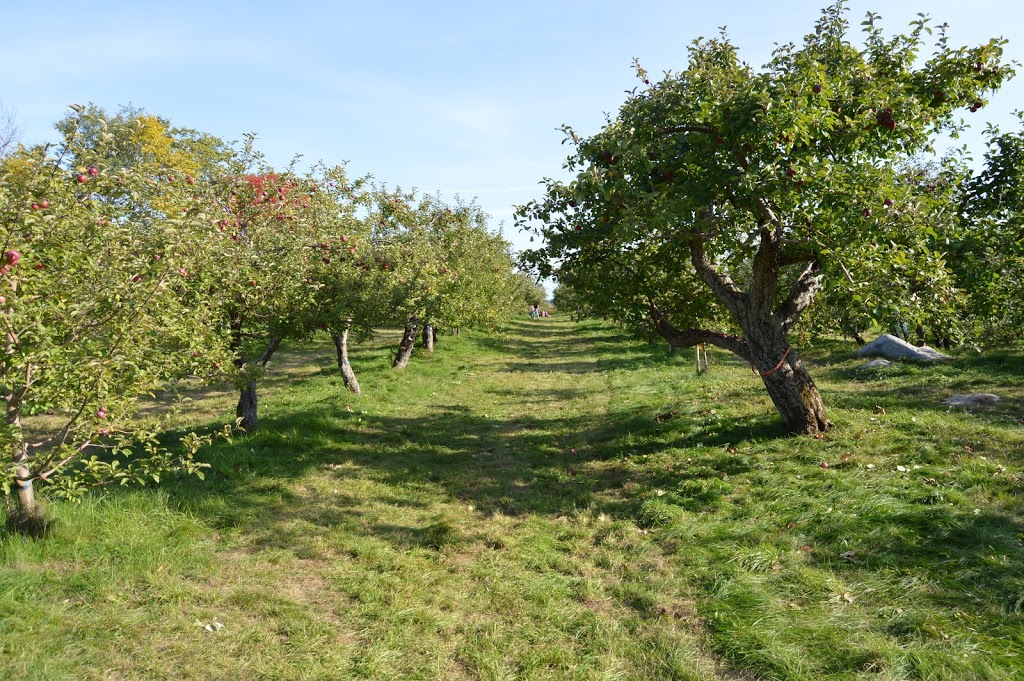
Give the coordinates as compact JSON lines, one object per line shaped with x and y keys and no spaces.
{"x":989,"y":256}
{"x":923,"y":273}
{"x":447,"y":269}
{"x":352,"y":295}
{"x":92,"y":314}
{"x":763,"y":183}
{"x":273,"y":234}
{"x":478,"y":285}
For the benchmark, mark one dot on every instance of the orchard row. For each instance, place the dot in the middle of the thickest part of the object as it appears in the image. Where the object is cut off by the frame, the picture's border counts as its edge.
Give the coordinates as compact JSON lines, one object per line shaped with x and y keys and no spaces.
{"x":137,"y":254}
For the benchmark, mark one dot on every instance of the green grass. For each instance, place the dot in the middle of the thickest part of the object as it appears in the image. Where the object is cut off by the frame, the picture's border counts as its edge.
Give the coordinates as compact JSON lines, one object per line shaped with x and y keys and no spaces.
{"x":557,"y":503}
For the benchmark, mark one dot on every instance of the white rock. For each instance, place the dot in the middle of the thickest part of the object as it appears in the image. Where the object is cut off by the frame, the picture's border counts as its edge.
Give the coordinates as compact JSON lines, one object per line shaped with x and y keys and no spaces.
{"x":971,"y":400}
{"x":876,"y":364}
{"x":893,"y":348}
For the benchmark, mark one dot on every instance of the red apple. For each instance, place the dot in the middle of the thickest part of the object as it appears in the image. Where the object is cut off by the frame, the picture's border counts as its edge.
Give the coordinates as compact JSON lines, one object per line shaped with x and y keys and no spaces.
{"x":94,"y":171}
{"x":889,"y":203}
{"x":40,"y":266}
{"x":817,"y":88}
{"x":44,"y":203}
{"x":12,"y":257}
{"x":35,"y":206}
{"x":252,"y":282}
{"x":3,"y":299}
{"x":101,"y":412}
{"x":82,"y":179}
{"x":790,"y":172}
{"x":824,"y":464}
{"x":867,"y":212}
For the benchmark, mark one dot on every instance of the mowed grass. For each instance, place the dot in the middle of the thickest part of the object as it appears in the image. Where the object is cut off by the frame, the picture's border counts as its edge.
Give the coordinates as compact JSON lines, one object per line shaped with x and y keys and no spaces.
{"x":560,"y":502}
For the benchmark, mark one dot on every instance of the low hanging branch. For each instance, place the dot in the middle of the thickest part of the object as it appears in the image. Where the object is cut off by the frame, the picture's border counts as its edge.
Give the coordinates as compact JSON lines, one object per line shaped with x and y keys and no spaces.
{"x":690,"y":337}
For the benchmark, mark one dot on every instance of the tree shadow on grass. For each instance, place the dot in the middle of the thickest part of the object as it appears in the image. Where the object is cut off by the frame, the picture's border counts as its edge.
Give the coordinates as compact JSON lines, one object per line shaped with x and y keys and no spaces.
{"x":548,"y":466}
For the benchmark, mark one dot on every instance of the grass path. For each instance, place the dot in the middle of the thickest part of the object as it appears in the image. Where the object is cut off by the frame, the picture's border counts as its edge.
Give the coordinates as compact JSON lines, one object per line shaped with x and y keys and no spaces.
{"x":558,"y":503}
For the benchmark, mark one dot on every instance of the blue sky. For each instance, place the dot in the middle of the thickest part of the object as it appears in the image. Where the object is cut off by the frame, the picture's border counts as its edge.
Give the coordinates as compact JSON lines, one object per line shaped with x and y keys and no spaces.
{"x":446,"y":96}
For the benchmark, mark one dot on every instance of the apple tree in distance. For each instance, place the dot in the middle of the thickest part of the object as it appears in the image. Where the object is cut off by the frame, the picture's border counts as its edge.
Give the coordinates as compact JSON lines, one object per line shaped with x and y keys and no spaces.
{"x":264,"y":264}
{"x":760,"y":182}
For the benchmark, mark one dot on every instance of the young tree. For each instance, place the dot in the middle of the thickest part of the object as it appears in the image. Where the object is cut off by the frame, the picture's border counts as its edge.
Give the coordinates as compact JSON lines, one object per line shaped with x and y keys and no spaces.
{"x":92,"y":313}
{"x":762,"y":183}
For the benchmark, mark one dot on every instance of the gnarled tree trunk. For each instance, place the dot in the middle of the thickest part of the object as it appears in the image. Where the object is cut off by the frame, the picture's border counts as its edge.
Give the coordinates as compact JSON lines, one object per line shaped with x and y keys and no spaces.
{"x":765,"y":323}
{"x":347,"y":374}
{"x":405,"y":347}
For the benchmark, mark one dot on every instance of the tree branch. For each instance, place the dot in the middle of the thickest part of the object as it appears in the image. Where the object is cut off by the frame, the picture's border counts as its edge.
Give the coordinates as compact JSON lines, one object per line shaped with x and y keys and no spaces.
{"x":686,"y":338}
{"x":275,"y":342}
{"x":800,"y":295}
{"x":721,"y":285}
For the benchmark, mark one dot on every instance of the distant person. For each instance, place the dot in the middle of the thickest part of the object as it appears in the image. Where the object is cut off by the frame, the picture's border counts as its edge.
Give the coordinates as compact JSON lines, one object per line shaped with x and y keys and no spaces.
{"x":534,"y":313}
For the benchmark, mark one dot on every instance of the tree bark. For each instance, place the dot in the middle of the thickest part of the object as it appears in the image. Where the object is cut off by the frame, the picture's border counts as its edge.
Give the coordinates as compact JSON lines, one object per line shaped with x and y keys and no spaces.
{"x":428,"y":337}
{"x":247,"y":410}
{"x":30,"y":517}
{"x":788,"y":384}
{"x":405,"y":347}
{"x":347,"y":374}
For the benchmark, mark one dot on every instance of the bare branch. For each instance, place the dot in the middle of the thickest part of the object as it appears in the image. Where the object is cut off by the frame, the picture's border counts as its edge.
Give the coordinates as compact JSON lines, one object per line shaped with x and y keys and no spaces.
{"x":10,"y":131}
